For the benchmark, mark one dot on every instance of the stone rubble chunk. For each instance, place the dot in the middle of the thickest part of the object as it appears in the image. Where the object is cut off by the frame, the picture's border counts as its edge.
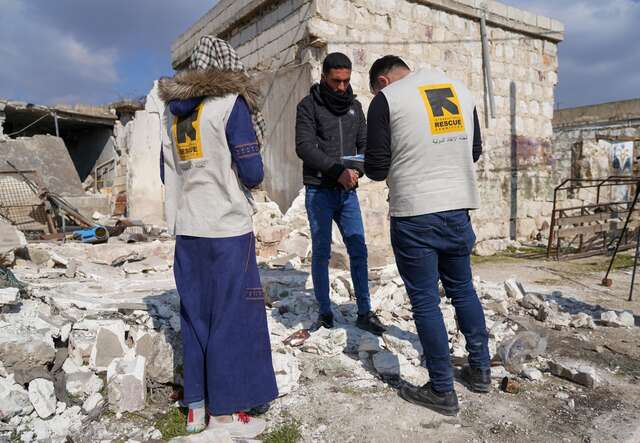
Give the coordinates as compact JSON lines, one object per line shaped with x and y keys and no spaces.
{"x":296,"y":244}
{"x":158,"y":353}
{"x":609,"y":318}
{"x":327,"y":342}
{"x":287,"y":372}
{"x":81,"y":382}
{"x":583,"y":320}
{"x":43,"y":397}
{"x":404,"y":343}
{"x":109,"y":345}
{"x":207,"y":436}
{"x":93,"y":404}
{"x":627,"y":319}
{"x":531,"y":301}
{"x":370,"y":343}
{"x":14,"y":399}
{"x":514,"y":289}
{"x":532,"y":374}
{"x":126,"y":384}
{"x":575,"y":371}
{"x":80,"y":346}
{"x":11,"y":239}
{"x":9,"y":296}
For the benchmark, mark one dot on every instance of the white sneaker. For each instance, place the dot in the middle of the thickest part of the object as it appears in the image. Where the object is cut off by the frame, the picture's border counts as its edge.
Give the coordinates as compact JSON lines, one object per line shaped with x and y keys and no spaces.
{"x":241,"y":426}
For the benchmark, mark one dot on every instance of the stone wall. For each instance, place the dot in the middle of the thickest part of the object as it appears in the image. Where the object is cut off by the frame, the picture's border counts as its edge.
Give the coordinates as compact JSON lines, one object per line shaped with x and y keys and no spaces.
{"x":524,"y":67}
{"x":519,"y":168}
{"x":585,"y":138}
{"x":142,"y":143}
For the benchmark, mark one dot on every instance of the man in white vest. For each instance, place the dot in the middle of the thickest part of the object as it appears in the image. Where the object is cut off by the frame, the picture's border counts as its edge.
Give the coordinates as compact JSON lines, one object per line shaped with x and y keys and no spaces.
{"x":424,"y":138}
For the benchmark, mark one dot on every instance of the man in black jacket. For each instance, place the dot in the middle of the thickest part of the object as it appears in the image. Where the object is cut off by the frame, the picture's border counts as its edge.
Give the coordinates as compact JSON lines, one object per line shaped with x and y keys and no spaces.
{"x":330,"y":124}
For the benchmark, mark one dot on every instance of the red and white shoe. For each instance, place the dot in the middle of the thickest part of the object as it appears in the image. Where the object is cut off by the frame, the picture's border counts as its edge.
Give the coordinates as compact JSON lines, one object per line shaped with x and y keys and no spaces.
{"x":196,"y":420}
{"x":240,"y":425}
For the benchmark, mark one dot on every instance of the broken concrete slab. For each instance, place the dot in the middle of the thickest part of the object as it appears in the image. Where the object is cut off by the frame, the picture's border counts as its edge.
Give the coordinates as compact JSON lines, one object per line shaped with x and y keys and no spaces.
{"x":126,"y":384}
{"x":575,"y":371}
{"x":24,"y":349}
{"x":109,"y":345}
{"x":43,"y":397}
{"x":9,"y":296}
{"x":49,"y":156}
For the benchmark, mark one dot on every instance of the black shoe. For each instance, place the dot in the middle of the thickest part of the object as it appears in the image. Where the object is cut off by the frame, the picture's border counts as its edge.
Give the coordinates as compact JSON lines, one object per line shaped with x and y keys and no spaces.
{"x":370,"y":322}
{"x":477,"y":379}
{"x":325,"y":320}
{"x":444,"y":403}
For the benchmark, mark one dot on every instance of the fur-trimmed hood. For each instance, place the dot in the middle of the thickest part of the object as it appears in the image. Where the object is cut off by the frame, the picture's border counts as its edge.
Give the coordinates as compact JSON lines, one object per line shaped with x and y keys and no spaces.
{"x":209,"y":83}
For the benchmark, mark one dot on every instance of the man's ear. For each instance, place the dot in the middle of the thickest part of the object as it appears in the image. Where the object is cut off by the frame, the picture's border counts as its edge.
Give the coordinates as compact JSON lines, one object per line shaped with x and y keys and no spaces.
{"x":383,"y":81}
{"x":323,"y":77}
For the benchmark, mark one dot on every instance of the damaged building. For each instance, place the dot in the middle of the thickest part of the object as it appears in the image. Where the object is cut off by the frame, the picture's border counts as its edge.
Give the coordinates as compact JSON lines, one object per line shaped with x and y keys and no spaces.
{"x":508,"y":57}
{"x":96,"y":158}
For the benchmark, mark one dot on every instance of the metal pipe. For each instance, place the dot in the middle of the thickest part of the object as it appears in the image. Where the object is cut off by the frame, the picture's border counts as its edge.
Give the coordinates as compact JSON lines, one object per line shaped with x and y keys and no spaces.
{"x":487,"y":66}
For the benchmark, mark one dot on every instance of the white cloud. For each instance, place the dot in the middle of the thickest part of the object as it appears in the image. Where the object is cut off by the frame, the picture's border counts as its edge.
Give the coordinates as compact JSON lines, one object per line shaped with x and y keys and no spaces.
{"x":599,"y":57}
{"x":42,"y":63}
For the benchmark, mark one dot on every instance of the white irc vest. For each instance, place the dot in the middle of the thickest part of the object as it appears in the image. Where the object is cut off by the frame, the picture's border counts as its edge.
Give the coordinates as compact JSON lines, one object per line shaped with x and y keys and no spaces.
{"x":432,"y":169}
{"x":203,"y":195}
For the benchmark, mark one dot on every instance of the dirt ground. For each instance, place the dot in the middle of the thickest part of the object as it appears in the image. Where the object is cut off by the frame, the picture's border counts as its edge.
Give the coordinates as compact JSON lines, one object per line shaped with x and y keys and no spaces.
{"x":331,"y":409}
{"x":336,"y":404}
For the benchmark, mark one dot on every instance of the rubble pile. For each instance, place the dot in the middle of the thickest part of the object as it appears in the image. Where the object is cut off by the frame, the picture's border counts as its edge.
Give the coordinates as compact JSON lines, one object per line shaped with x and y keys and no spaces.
{"x":85,"y":328}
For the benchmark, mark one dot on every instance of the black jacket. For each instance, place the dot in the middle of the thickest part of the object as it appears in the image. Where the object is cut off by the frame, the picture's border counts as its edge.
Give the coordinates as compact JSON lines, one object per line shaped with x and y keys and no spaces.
{"x":323,"y":138}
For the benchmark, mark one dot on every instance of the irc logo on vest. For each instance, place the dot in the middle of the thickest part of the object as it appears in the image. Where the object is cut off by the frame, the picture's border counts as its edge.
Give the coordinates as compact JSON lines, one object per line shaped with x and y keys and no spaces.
{"x":445,"y":113}
{"x":186,"y":133}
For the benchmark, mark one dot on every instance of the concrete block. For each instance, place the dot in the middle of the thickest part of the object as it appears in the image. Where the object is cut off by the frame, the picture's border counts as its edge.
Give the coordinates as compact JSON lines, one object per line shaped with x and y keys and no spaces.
{"x":126,"y":384}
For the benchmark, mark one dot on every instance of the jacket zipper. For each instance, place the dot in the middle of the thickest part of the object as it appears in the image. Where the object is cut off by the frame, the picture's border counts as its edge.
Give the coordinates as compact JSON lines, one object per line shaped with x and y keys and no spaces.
{"x":341,"y":147}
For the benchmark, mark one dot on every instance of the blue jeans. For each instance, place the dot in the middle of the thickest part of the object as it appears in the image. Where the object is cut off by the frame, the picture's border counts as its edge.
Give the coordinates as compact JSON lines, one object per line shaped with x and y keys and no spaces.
{"x":324,"y":206}
{"x":438,"y":246}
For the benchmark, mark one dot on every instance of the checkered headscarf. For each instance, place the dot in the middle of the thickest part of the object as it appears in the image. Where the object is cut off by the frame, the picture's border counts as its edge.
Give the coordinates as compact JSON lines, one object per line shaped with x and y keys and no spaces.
{"x":214,"y":53}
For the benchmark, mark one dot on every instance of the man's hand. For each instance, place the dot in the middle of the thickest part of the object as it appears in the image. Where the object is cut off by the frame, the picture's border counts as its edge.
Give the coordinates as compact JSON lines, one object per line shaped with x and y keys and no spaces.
{"x":348,"y":179}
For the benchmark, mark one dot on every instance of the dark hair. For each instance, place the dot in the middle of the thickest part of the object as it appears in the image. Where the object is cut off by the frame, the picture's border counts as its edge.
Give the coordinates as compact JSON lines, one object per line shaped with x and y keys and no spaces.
{"x":335,"y":60}
{"x":382,"y":66}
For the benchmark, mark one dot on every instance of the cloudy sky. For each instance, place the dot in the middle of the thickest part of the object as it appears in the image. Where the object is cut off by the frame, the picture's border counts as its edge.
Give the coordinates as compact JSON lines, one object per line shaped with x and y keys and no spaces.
{"x":93,"y":51}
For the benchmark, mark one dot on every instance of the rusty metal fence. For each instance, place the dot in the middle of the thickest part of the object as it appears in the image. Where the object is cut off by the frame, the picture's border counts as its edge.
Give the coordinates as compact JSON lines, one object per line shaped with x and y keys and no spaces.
{"x":595,"y":225}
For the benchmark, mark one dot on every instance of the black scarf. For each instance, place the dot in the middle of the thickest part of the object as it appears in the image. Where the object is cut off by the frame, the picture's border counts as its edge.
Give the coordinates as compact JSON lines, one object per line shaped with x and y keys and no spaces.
{"x":338,"y":104}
